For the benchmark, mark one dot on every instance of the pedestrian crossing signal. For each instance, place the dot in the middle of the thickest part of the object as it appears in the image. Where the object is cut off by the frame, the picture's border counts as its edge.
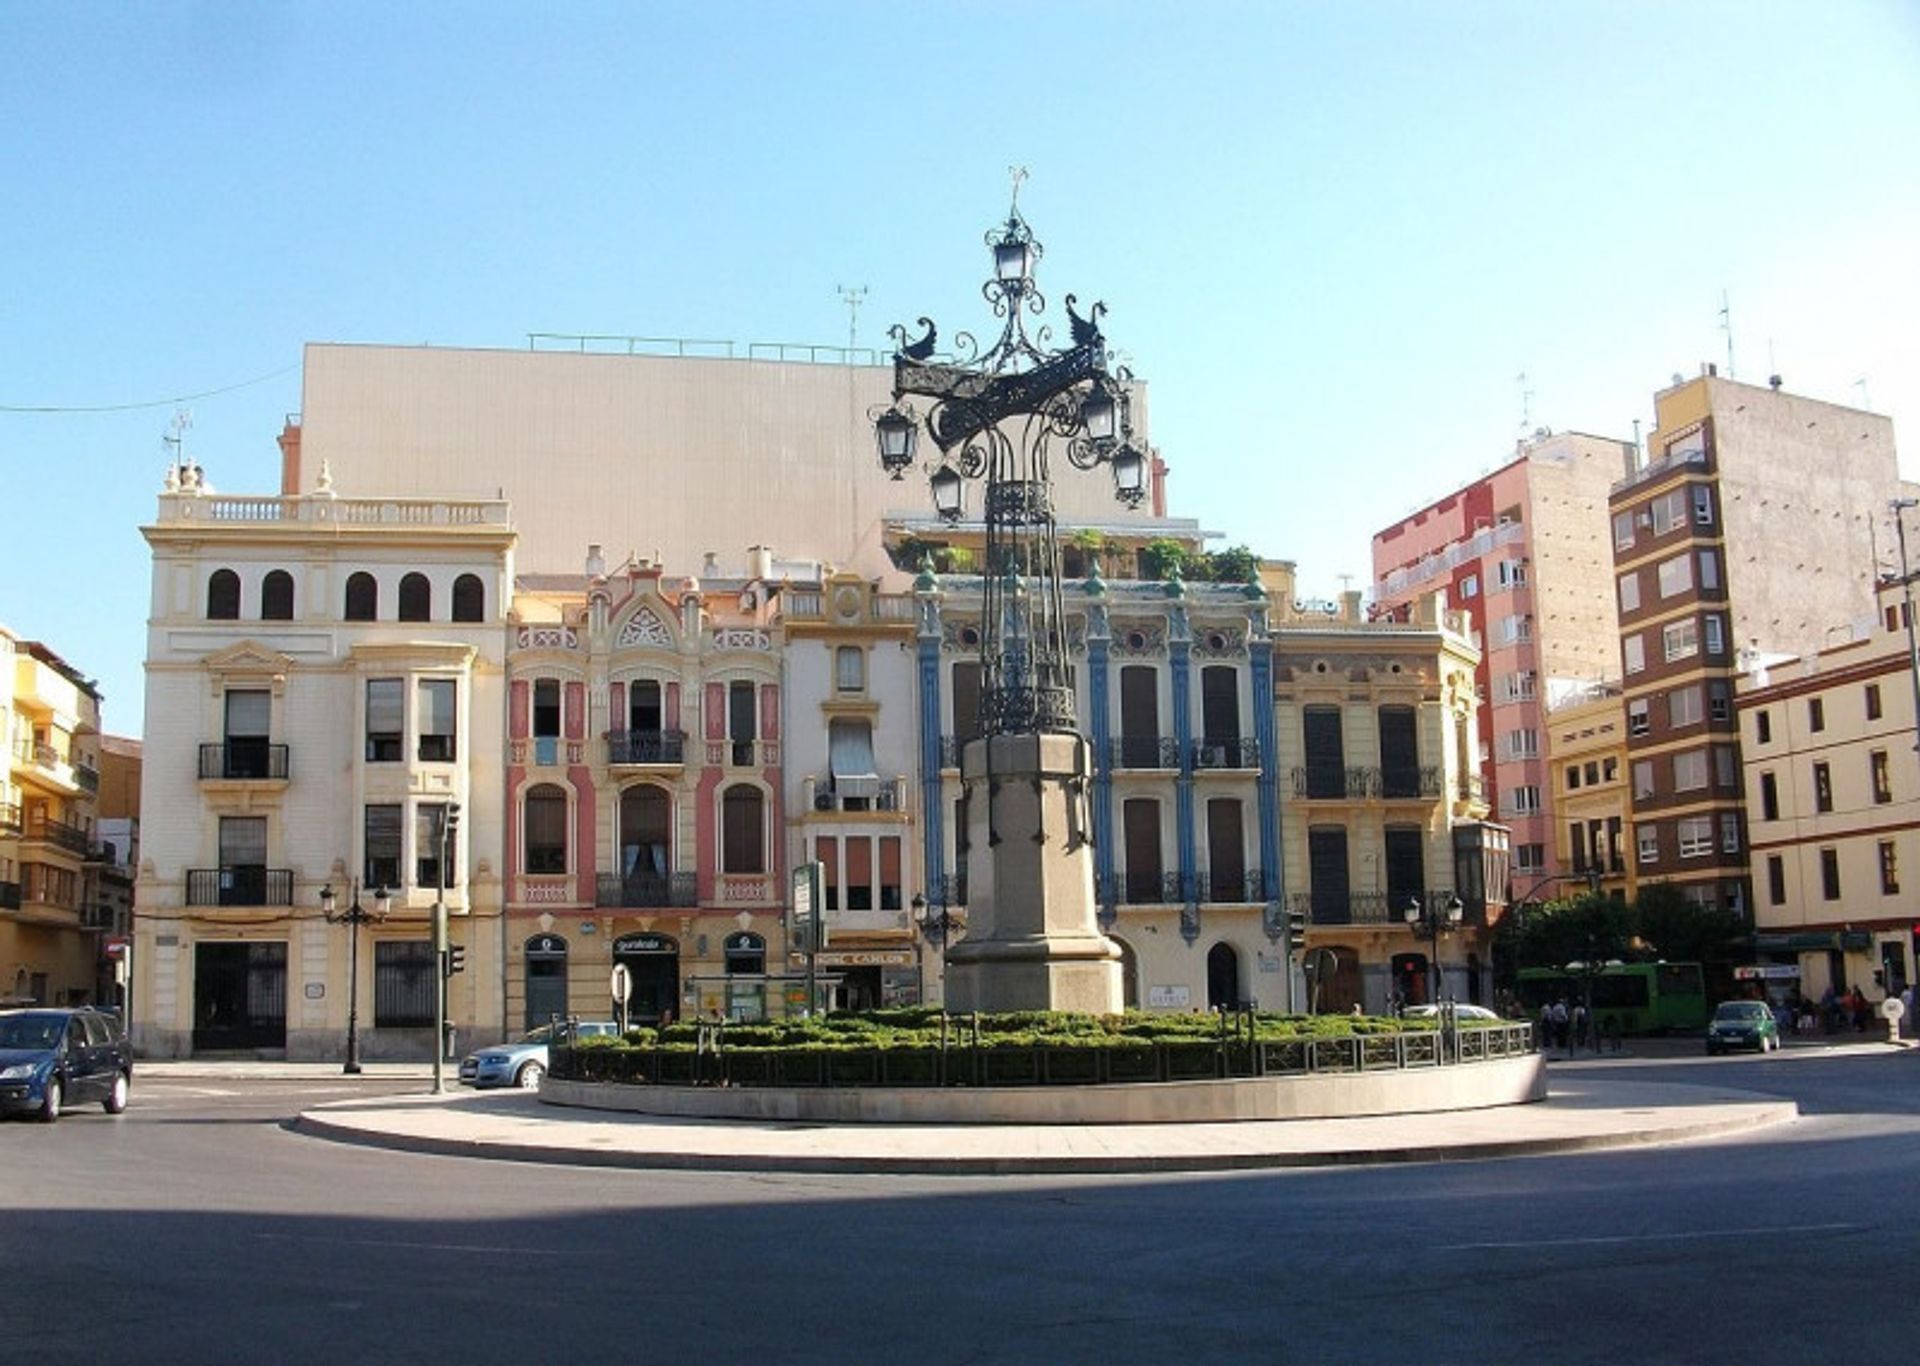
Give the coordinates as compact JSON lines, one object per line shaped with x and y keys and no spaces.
{"x":453,"y":960}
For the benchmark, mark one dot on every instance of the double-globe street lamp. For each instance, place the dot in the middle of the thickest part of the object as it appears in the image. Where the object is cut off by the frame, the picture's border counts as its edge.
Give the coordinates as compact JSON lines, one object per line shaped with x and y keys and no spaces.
{"x":353,"y":918}
{"x":934,"y":925}
{"x":1434,"y":921}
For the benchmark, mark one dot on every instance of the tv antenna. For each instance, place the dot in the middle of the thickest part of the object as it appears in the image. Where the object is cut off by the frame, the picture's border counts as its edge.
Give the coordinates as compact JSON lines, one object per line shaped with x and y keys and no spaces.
{"x":1526,"y":402}
{"x":1726,"y":326}
{"x":176,"y":439}
{"x":851,"y":296}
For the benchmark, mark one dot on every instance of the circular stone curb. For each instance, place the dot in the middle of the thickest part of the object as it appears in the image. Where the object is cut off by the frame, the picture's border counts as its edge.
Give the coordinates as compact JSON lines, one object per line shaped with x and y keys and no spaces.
{"x":332,"y":1123}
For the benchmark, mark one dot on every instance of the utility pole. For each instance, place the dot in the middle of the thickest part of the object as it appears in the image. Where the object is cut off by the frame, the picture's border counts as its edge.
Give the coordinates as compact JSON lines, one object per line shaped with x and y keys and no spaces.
{"x":852,"y":296}
{"x":1900,"y":506}
{"x":442,"y":960}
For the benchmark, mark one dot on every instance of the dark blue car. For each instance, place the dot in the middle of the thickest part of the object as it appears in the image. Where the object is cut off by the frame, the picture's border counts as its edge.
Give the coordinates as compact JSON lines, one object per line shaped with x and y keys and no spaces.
{"x":52,"y":1059}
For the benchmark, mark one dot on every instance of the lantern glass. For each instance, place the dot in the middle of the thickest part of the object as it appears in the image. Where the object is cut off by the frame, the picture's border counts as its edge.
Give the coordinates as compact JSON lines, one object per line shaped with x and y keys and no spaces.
{"x":1097,"y":414}
{"x":946,"y":493}
{"x":895,"y":434}
{"x":1413,"y":911}
{"x":1455,"y":910}
{"x":1012,"y":260}
{"x":1129,"y":474}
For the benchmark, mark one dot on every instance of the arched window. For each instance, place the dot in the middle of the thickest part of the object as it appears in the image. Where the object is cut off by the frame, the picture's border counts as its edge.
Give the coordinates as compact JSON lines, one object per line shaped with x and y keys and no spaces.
{"x":742,"y":830}
{"x":546,"y":829}
{"x":416,"y":598}
{"x":746,"y":953}
{"x":469,"y":598}
{"x":223,"y":596}
{"x":276,"y":596}
{"x":646,"y":833}
{"x":363,"y":597}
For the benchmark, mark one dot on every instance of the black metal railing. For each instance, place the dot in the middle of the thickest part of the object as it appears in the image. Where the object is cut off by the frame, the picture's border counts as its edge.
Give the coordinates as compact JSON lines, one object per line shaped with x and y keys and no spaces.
{"x":60,"y":834}
{"x":1343,"y":908}
{"x":243,"y":759}
{"x":1225,"y":886}
{"x":87,"y":777}
{"x":1144,"y":751}
{"x":243,"y":885}
{"x":1403,"y":783}
{"x":1331,"y":782}
{"x":9,"y":896}
{"x":647,"y":889}
{"x":1140,"y":889}
{"x":646,"y":746}
{"x":1233,"y":752}
{"x":967,"y":1058}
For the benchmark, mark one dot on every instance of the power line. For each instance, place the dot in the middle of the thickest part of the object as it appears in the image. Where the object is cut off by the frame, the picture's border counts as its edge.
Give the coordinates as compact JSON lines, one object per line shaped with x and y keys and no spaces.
{"x":156,"y":403}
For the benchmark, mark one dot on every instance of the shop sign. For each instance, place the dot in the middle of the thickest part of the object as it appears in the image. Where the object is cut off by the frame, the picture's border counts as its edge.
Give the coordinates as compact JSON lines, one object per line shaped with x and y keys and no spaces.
{"x":846,"y":958}
{"x":1767,"y":972}
{"x":1168,"y":998}
{"x":646,"y":942}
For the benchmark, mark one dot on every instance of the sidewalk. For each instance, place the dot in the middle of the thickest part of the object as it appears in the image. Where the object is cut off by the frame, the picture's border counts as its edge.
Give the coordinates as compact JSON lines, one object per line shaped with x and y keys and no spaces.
{"x":1584,"y":1112}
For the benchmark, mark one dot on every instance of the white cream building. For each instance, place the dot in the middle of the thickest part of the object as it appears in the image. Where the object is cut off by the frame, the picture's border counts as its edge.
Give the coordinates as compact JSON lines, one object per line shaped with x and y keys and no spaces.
{"x":324,"y":679}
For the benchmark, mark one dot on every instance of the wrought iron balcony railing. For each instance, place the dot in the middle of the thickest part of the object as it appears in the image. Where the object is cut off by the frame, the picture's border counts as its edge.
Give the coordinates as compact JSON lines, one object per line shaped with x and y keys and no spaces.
{"x":1219,"y":886}
{"x":1343,"y":908}
{"x":1141,"y":889}
{"x":87,"y":776}
{"x":1404,"y":783}
{"x":1332,"y":782}
{"x":1144,"y":751}
{"x":10,"y":819}
{"x":646,"y":746}
{"x":243,"y":760}
{"x":60,"y":834}
{"x":241,"y":885}
{"x":1234,"y":752}
{"x":647,"y":889}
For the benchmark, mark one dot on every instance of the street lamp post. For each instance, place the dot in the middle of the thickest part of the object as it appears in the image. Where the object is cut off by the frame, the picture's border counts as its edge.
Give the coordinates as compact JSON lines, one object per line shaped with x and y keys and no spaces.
{"x":934,"y":925}
{"x":1433,"y":921}
{"x":354,"y":917}
{"x":1899,"y":506}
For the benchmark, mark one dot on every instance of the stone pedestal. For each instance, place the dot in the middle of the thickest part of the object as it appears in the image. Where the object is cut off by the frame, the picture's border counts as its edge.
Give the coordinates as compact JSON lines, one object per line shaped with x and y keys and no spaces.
{"x":1033,"y":941}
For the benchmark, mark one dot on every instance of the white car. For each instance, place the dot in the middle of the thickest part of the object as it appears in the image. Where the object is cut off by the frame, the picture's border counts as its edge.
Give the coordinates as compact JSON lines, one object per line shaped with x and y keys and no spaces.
{"x":1461,"y":1012}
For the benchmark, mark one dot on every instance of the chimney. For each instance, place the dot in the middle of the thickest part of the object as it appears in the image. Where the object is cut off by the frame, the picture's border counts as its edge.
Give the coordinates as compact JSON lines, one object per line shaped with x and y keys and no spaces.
{"x":596,"y":562}
{"x":290,"y":457}
{"x":759,"y":562}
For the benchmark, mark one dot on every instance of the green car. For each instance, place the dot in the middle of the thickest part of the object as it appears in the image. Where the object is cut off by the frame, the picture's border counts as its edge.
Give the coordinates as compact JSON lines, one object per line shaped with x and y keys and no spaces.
{"x":1743,"y":1024}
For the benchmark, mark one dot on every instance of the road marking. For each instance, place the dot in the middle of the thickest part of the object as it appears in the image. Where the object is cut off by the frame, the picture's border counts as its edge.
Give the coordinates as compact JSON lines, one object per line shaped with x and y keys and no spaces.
{"x":1658,"y":1237}
{"x":420,"y":1247}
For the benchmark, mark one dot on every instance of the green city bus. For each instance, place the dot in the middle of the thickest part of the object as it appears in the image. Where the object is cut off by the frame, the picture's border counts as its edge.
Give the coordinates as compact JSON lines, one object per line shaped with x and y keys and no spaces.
{"x":1628,"y":998}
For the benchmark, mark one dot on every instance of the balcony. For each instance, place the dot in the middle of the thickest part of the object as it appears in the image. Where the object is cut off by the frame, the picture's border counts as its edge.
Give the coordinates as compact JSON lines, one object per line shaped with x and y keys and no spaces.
{"x":647,"y":889}
{"x":243,"y":761}
{"x":644,"y":747}
{"x":10,"y":819}
{"x":1331,"y":783}
{"x":9,"y":896}
{"x":856,"y":795}
{"x":1344,"y":908}
{"x":1234,"y":752}
{"x":1227,"y":887}
{"x":1141,"y":889}
{"x":743,"y":753}
{"x":60,"y":834}
{"x":1409,"y":783}
{"x":1471,"y":787}
{"x":88,"y":778}
{"x":243,"y":885}
{"x":1144,"y":751}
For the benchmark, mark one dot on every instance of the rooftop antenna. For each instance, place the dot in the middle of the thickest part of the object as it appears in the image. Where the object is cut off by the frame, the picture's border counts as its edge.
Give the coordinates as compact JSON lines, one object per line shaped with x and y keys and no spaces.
{"x":1726,"y":326}
{"x":851,"y":296}
{"x":1526,"y":402}
{"x":176,"y":440}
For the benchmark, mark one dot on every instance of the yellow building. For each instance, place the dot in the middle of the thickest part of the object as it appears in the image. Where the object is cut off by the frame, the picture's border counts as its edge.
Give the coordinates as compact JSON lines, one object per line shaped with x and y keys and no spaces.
{"x":50,"y":717}
{"x":1587,"y":755}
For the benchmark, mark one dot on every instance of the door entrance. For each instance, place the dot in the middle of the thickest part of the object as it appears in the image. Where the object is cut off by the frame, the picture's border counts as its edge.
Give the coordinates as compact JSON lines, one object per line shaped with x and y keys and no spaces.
{"x":654,"y":962}
{"x":239,"y":996}
{"x":546,"y":979}
{"x":1223,"y":977}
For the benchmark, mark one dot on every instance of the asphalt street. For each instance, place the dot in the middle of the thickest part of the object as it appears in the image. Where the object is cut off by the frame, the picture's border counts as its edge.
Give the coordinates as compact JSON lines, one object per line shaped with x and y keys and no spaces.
{"x":197,"y":1228}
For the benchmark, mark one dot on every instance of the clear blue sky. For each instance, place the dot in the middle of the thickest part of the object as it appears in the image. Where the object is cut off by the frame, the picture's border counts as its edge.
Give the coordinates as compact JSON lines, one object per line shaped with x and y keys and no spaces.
{"x":1330,"y":235}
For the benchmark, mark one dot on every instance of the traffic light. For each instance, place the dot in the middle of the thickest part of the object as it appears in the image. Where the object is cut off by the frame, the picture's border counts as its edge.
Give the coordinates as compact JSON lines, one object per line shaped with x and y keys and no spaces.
{"x":1297,"y":924}
{"x":455,"y":960}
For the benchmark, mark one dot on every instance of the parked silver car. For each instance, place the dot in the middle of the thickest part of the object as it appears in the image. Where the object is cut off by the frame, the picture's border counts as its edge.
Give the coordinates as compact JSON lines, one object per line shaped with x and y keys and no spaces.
{"x":523,"y":1061}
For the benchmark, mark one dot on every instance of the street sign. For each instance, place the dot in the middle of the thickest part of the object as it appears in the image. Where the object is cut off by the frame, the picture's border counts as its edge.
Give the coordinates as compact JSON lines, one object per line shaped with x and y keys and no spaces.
{"x":116,"y":947}
{"x":621,"y":981}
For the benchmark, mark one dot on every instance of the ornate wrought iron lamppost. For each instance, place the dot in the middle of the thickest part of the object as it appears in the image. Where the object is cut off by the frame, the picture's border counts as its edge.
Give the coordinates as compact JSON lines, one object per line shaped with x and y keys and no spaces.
{"x":354,"y":917}
{"x":997,"y":418}
{"x":1433,"y":920}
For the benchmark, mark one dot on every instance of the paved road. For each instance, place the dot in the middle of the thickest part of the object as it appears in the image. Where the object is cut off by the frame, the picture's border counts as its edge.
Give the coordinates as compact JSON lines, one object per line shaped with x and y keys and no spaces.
{"x":197,"y":1229}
